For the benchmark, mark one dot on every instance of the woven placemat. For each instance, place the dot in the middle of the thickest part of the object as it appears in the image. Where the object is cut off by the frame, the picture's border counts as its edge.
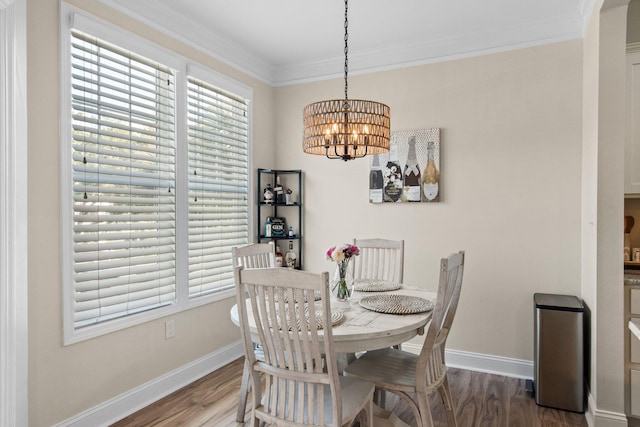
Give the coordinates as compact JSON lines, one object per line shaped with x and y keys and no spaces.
{"x":396,"y":304}
{"x":316,"y":296}
{"x":375,"y":285}
{"x":336,"y":317}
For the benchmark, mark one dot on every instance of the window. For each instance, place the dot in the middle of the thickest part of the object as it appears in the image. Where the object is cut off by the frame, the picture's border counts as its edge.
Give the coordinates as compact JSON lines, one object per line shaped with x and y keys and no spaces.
{"x":123,"y":156}
{"x":218,"y":185}
{"x":157,"y":150}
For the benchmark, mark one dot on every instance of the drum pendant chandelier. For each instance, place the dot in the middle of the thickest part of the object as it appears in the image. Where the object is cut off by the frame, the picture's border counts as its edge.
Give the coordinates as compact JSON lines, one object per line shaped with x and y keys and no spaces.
{"x":346,"y":128}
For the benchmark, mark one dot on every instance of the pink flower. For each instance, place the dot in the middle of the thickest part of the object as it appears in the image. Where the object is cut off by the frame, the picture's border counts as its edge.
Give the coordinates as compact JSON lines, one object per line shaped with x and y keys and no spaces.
{"x":343,"y":252}
{"x":330,"y":252}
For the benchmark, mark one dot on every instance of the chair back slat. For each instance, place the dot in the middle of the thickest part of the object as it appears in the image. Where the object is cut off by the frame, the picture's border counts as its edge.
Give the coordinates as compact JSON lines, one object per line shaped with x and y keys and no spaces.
{"x":380,"y":259}
{"x":297,"y":341}
{"x":431,"y":359}
{"x":455,"y":268}
{"x":254,"y":255}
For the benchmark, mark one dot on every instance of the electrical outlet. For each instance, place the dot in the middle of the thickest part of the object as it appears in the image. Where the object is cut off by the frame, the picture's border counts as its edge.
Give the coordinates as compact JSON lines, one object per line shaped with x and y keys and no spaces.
{"x":170,"y":329}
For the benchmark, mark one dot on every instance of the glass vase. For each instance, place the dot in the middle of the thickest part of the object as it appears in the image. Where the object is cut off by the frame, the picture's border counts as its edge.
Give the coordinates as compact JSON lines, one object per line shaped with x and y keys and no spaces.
{"x":343,"y":281}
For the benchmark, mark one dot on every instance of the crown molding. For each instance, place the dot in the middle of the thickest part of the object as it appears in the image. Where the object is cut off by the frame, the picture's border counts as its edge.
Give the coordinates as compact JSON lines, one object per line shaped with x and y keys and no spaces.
{"x":585,"y":9}
{"x":168,"y":21}
{"x":462,"y":46}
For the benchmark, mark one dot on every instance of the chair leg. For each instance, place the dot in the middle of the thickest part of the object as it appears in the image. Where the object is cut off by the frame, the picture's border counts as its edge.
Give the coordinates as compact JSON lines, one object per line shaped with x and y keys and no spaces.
{"x":447,"y":400}
{"x":380,"y":398}
{"x":425,"y":410}
{"x":244,"y":392}
{"x":366,"y":416}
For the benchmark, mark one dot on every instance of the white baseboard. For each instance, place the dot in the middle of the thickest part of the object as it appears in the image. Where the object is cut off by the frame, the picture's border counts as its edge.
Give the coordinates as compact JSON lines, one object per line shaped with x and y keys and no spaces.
{"x":127,"y":403}
{"x":504,"y":366}
{"x":519,"y":369}
{"x":599,"y":418}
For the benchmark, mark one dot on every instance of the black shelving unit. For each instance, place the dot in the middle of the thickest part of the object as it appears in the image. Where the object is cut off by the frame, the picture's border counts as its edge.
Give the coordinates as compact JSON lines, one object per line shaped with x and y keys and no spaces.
{"x":291,"y":212}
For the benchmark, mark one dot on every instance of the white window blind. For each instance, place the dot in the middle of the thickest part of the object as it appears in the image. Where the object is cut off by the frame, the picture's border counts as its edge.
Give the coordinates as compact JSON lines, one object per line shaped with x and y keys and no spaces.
{"x":218,"y":185}
{"x":123,"y":159}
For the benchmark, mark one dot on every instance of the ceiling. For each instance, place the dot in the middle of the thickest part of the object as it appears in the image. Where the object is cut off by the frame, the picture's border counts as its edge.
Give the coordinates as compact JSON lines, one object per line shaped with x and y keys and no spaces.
{"x":288,"y":41}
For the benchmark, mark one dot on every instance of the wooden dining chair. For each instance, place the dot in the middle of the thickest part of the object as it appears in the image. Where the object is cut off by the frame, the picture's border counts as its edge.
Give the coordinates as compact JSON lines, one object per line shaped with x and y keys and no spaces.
{"x":406,"y":374}
{"x":252,"y":255}
{"x":380,"y":259}
{"x":301,"y":385}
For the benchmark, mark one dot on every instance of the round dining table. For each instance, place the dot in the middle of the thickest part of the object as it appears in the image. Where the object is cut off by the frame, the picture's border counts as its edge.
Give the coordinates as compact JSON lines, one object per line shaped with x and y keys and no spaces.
{"x":361,"y":329}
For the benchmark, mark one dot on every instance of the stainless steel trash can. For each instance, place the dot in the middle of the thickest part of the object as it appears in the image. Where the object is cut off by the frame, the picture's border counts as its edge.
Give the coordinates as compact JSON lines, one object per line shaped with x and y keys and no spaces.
{"x":559,"y":352}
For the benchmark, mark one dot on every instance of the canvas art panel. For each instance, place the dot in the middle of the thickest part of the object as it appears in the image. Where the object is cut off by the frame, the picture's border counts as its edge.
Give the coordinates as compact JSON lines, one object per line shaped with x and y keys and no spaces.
{"x":410,"y":171}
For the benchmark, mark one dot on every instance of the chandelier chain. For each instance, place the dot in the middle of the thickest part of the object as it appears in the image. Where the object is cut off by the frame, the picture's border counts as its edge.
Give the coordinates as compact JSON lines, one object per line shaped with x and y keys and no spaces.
{"x":346,"y":48}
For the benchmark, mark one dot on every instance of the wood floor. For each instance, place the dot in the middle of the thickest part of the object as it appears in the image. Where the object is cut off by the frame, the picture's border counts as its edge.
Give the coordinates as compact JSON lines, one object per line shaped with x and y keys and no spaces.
{"x":480,"y":400}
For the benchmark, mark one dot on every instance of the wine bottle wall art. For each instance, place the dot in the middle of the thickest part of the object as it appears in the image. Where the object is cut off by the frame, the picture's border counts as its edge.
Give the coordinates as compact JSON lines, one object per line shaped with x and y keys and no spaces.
{"x":410,"y":172}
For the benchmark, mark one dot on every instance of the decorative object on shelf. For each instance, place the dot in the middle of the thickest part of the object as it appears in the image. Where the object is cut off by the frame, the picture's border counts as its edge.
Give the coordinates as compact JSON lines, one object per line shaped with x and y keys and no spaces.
{"x":279,"y":257}
{"x":289,"y":197}
{"x":629,"y":222}
{"x":346,"y":128}
{"x":343,"y":277}
{"x":268,"y":194}
{"x":278,"y":227}
{"x":290,"y":258}
{"x":268,"y":227}
{"x":398,"y":176}
{"x":291,"y":233}
{"x":279,"y":191}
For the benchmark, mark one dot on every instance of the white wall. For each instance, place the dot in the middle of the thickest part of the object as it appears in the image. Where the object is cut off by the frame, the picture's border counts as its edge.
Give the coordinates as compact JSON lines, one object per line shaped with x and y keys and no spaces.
{"x":589,"y":181}
{"x":511,"y":162}
{"x":64,"y":381}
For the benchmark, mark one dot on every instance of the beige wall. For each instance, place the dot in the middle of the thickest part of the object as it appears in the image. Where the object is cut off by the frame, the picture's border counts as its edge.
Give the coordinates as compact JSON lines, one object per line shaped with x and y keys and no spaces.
{"x":511,"y":162}
{"x":64,"y":381}
{"x":633,"y":22}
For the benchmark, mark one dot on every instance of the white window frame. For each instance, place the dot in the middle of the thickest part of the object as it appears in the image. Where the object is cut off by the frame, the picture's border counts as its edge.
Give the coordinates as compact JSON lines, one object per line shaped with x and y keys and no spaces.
{"x":72,"y":18}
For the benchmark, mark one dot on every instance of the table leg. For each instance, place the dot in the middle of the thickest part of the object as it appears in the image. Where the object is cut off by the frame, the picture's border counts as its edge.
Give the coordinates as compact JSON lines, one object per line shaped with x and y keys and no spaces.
{"x":343,"y":360}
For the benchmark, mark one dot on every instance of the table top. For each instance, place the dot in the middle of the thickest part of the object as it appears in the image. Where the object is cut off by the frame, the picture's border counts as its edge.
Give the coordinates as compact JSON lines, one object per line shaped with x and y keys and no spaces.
{"x":363,"y":329}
